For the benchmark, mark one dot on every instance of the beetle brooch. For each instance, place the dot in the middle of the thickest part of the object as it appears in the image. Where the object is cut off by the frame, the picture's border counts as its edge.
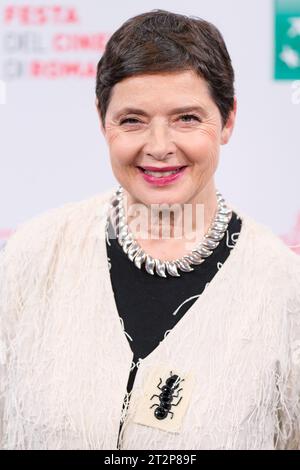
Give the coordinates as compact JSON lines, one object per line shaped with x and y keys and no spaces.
{"x":166,"y":396}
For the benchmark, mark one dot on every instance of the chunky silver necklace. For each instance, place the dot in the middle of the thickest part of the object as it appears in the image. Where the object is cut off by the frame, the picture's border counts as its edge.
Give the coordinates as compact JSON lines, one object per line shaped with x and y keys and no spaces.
{"x":153,"y":266}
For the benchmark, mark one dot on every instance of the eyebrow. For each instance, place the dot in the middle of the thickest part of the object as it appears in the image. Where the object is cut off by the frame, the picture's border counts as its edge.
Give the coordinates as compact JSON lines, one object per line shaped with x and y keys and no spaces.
{"x":141,"y":112}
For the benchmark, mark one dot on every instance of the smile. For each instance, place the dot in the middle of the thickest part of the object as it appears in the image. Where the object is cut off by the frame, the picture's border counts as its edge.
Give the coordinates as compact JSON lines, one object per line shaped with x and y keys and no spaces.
{"x":161,"y":178}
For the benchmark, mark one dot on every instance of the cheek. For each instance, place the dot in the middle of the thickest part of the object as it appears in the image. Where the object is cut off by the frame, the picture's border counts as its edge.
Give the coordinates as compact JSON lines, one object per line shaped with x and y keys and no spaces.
{"x":209,"y":135}
{"x":203,"y":147}
{"x":121,"y":149}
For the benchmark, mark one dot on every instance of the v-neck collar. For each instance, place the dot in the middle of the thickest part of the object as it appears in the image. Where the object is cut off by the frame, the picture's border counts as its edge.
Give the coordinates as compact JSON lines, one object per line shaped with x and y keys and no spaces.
{"x":210,"y":290}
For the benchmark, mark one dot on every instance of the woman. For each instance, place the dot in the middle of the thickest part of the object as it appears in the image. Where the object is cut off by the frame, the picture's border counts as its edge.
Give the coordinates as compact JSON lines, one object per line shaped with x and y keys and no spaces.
{"x":203,"y":329}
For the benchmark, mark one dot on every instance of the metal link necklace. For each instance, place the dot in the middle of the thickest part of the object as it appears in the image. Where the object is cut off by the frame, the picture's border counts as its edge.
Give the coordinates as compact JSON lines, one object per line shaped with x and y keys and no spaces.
{"x":162,"y":268}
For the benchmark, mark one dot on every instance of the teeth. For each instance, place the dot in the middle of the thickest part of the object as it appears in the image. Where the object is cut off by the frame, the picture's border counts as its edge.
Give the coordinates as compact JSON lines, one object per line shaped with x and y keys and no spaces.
{"x":159,"y":174}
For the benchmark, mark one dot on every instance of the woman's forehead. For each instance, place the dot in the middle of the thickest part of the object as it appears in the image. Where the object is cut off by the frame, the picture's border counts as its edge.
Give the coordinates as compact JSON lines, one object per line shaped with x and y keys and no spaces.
{"x":139,"y":95}
{"x":182,"y":80}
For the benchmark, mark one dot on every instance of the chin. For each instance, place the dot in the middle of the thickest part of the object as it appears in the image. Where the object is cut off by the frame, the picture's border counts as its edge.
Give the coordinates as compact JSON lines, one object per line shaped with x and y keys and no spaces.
{"x":163,"y":197}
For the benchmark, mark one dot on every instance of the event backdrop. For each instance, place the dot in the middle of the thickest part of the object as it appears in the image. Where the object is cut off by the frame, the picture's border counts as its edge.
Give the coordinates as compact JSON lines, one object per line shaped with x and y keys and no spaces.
{"x":51,"y":148}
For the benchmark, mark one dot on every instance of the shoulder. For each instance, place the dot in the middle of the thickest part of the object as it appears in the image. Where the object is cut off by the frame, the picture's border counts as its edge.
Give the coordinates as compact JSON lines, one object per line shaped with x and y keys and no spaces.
{"x":38,"y":232}
{"x":268,"y":256}
{"x":29,"y":257}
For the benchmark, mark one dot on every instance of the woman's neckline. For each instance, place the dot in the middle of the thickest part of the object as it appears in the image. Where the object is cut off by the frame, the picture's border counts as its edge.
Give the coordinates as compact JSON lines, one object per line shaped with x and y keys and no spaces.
{"x":209,"y":290}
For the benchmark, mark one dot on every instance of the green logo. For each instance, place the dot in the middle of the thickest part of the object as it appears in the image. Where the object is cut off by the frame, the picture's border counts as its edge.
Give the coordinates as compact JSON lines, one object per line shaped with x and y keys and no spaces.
{"x":287,"y":39}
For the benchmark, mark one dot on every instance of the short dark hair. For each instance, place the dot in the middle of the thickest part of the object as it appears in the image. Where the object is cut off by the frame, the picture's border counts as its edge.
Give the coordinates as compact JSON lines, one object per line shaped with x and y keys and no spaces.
{"x":161,"y":41}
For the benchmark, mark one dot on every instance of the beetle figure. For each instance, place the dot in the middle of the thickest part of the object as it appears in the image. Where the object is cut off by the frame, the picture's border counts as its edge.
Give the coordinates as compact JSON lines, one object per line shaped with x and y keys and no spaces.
{"x":166,"y":396}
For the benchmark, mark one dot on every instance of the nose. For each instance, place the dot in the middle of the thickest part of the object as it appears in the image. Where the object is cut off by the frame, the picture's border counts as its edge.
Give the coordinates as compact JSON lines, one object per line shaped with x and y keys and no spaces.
{"x":159,"y":144}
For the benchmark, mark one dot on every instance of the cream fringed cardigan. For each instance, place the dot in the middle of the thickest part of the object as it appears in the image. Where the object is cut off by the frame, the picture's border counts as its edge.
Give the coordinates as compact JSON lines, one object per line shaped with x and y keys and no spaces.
{"x":65,"y":359}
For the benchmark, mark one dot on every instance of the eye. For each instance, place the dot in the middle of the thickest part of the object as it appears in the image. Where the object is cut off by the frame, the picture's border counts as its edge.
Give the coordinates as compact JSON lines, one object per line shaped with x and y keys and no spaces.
{"x":128,"y":119}
{"x":190,"y":116}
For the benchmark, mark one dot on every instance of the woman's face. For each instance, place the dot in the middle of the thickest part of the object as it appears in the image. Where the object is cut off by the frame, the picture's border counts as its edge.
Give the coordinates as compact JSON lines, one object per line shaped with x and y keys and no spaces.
{"x":145,"y":127}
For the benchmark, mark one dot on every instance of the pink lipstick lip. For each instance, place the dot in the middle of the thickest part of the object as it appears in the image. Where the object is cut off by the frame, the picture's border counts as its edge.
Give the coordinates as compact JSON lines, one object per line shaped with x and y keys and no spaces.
{"x":163,"y":180}
{"x":166,"y":168}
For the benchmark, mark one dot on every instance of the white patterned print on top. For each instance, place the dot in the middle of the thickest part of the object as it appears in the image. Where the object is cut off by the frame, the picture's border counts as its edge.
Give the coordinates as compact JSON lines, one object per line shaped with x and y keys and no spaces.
{"x":182,"y":303}
{"x":233,"y":239}
{"x":122,"y":324}
{"x":135,"y":364}
{"x":188,"y":299}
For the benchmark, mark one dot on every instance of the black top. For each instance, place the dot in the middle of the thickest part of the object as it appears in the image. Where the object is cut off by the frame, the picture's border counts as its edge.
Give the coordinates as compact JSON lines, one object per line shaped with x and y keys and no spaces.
{"x":149,"y":305}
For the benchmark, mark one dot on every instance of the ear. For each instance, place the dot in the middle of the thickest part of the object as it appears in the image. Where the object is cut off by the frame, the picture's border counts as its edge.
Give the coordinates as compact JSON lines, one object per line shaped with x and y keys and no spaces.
{"x":99,"y":116}
{"x":229,"y":126}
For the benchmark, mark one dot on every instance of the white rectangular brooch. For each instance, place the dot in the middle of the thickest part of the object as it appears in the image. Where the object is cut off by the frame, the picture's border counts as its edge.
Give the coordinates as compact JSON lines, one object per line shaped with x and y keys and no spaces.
{"x":166,"y":395}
